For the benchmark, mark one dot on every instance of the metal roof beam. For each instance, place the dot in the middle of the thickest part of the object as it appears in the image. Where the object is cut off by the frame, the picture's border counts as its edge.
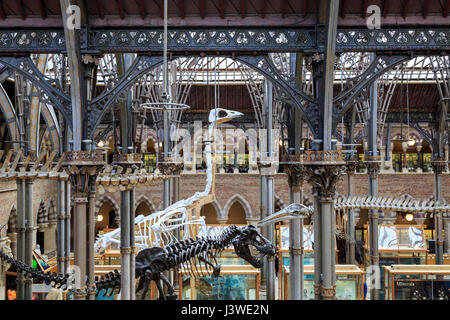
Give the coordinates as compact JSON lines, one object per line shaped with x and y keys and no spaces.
{"x":21,"y":11}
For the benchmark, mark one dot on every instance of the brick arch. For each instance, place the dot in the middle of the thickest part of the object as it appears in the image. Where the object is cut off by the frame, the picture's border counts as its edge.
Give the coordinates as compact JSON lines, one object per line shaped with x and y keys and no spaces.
{"x":237,"y":197}
{"x":12,"y":220}
{"x":106,"y":198}
{"x":412,"y":132}
{"x":144,"y":199}
{"x":147,"y":135}
{"x":216,"y":205}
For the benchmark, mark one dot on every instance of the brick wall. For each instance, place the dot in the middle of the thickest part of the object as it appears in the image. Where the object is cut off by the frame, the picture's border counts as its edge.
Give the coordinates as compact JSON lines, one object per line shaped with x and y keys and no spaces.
{"x":42,"y":189}
{"x":239,"y":187}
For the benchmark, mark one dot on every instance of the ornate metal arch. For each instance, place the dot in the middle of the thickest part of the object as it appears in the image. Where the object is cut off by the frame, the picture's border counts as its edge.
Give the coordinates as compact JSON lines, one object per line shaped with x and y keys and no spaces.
{"x":99,"y":105}
{"x":358,"y":85}
{"x":50,"y":87}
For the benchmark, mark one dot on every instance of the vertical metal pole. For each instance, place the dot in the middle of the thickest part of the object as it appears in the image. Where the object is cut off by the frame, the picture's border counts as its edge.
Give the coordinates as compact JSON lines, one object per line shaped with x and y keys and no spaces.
{"x":125,"y":245}
{"x":132,"y":246}
{"x":350,"y":244}
{"x":29,"y":235}
{"x":60,"y":233}
{"x":373,"y":182}
{"x":270,"y":277}
{"x":328,"y":252}
{"x":270,"y":261}
{"x":79,"y":224}
{"x":67,"y":226}
{"x":263,"y":206}
{"x":438,"y":225}
{"x":317,"y":248}
{"x":90,"y":244}
{"x":20,"y":236}
{"x":296,"y":272}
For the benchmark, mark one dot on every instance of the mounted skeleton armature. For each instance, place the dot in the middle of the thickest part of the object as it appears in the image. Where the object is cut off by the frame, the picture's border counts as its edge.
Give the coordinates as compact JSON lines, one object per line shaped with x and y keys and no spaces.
{"x":189,"y":254}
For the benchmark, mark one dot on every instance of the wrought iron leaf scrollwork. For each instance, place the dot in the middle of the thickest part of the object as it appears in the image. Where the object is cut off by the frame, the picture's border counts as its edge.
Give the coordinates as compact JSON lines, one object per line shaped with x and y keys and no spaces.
{"x":99,"y":105}
{"x":49,"y":87}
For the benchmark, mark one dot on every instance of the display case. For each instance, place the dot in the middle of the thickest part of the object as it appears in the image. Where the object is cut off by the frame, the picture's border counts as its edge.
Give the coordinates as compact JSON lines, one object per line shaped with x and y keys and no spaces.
{"x":399,"y":244}
{"x":236,"y":282}
{"x":349,"y":283}
{"x":419,"y":282}
{"x":431,"y":258}
{"x":282,"y":243}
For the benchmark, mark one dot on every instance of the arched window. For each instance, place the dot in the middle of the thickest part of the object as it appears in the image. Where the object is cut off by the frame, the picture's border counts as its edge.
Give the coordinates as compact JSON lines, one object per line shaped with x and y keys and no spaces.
{"x":210,"y":214}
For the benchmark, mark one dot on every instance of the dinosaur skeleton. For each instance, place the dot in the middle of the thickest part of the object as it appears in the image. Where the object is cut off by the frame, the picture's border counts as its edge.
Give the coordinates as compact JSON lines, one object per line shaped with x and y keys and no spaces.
{"x":155,"y":229}
{"x":343,"y":204}
{"x":188,"y":254}
{"x":62,"y":281}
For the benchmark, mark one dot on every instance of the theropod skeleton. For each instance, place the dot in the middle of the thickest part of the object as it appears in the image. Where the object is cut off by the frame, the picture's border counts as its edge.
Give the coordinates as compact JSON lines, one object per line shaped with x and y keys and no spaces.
{"x":343,"y":204}
{"x":187,"y":254}
{"x":156,"y":229}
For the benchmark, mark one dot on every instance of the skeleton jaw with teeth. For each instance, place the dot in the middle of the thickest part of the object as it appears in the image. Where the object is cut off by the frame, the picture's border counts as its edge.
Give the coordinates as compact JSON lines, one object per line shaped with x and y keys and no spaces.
{"x":249,"y":241}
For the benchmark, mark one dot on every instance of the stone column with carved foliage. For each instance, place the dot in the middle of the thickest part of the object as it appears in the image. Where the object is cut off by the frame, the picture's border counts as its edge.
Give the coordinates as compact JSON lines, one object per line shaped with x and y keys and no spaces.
{"x":324,"y":170}
{"x":83,"y":167}
{"x":296,"y":172}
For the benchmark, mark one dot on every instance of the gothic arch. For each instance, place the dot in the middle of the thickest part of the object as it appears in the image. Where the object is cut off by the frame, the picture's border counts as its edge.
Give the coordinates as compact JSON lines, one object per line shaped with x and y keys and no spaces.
{"x":106,"y":198}
{"x":12,"y":220}
{"x":144,"y":199}
{"x":148,"y":134}
{"x":218,"y":210}
{"x":245,"y":205}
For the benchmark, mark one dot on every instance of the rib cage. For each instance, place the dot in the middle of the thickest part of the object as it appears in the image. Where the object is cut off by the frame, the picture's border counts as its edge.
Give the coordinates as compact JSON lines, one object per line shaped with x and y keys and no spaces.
{"x":189,"y":253}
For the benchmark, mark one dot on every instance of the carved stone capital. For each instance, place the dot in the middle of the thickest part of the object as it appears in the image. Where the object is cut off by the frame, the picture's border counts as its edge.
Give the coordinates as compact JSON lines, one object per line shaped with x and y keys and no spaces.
{"x":296,"y":250}
{"x":125,"y":250}
{"x":89,"y":58}
{"x":351,"y":166}
{"x":295,"y":170}
{"x":127,"y":159}
{"x":438,"y":164}
{"x":324,"y":179}
{"x":373,"y":164}
{"x":328,"y":292}
{"x":170,"y":166}
{"x":83,"y":168}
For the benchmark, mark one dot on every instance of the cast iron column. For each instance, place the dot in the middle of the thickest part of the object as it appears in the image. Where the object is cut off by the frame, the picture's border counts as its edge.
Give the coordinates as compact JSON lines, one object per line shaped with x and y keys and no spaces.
{"x":297,"y":174}
{"x":60,"y":231}
{"x":90,"y":243}
{"x":438,"y":163}
{"x":67,"y":226}
{"x":20,"y":236}
{"x":29,"y":229}
{"x":372,"y":162}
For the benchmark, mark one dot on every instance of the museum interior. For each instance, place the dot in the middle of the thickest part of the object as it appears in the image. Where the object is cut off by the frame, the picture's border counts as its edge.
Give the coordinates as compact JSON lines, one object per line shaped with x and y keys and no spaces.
{"x":224,"y":150}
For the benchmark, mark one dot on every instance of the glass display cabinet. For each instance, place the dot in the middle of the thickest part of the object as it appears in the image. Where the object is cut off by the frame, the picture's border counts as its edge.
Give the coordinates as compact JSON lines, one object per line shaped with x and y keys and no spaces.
{"x":399,"y":244}
{"x":431,"y":258}
{"x":282,"y":244}
{"x":236,"y":282}
{"x":349,"y":282}
{"x":419,"y":282}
